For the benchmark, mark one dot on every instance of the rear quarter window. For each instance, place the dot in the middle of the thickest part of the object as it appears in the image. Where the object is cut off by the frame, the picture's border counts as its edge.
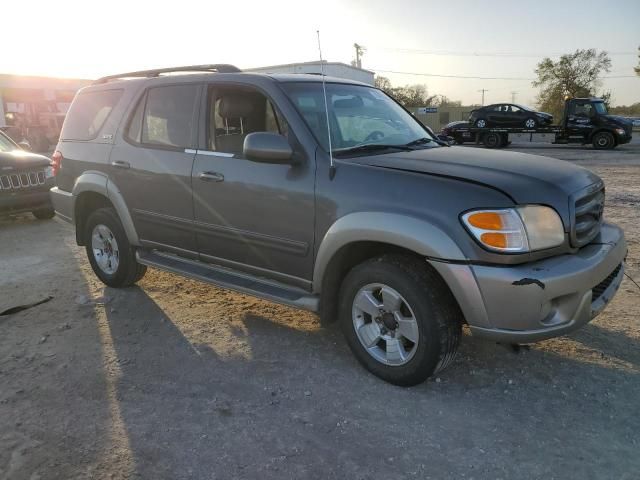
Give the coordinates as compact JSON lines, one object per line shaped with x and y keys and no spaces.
{"x":88,"y":113}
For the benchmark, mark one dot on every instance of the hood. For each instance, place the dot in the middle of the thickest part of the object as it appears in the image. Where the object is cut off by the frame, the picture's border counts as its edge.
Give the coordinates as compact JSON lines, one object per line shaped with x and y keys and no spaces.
{"x":544,"y":114}
{"x":19,"y":160}
{"x":526,"y":179}
{"x":622,"y":121}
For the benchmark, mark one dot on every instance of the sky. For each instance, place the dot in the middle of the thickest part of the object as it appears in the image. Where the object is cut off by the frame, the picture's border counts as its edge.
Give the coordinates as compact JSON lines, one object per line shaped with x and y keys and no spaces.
{"x":490,"y":38}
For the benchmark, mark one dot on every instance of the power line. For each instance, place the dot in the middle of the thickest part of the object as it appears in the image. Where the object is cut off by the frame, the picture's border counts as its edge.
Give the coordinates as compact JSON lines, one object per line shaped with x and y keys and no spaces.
{"x":474,"y":77}
{"x":454,"y":53}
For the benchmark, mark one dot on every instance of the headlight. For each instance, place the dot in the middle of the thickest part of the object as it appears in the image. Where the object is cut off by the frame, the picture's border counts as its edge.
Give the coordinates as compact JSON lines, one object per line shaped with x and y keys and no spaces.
{"x":620,"y":131}
{"x":516,"y":230}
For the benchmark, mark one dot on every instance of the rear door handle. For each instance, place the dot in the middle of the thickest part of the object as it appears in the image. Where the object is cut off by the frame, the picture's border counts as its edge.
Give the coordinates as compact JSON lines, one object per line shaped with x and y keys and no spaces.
{"x":120,"y":164}
{"x":211,"y":177}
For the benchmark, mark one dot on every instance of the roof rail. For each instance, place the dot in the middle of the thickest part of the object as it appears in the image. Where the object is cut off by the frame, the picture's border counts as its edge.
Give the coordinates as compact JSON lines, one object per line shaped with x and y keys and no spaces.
{"x":213,"y":68}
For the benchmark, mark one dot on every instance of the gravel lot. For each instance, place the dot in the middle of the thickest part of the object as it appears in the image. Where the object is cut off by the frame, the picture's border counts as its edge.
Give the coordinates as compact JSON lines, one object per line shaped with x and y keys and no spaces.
{"x":174,"y":379}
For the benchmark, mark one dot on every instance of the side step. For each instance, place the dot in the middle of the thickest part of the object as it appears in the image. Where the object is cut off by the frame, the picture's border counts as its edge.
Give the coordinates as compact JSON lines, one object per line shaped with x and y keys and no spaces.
{"x":230,"y":279}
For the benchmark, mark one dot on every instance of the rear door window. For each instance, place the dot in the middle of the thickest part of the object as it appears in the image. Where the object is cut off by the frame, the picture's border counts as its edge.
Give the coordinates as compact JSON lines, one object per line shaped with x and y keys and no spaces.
{"x":88,"y":113}
{"x":168,"y":116}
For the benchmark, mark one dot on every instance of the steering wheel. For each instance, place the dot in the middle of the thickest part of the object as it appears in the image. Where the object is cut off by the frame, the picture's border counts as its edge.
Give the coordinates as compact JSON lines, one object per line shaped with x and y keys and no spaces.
{"x":375,"y":135}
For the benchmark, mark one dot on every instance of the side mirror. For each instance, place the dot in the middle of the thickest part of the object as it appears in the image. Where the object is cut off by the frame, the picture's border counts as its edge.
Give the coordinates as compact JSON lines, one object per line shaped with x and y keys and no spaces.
{"x":267,"y":147}
{"x":445,"y":138}
{"x":24,"y":145}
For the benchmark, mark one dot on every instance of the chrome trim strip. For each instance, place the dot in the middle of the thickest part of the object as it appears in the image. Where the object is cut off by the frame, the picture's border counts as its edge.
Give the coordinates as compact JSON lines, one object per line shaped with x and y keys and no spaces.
{"x":209,"y":153}
{"x":215,"y":154}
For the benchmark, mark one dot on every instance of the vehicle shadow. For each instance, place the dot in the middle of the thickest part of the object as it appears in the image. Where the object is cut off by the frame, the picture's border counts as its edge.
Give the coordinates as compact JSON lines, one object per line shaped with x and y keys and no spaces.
{"x":54,"y":402}
{"x":254,"y":397}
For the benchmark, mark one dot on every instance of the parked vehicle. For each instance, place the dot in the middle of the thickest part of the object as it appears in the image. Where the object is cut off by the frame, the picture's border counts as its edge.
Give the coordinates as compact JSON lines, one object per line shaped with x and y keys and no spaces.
{"x":227,"y":178}
{"x":585,"y":121}
{"x":455,"y":130}
{"x":25,"y":180}
{"x":509,"y":115}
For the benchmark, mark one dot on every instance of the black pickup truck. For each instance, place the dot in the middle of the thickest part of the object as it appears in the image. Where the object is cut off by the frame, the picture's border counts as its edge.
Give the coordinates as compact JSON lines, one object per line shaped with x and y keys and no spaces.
{"x":585,"y":121}
{"x":25,"y":180}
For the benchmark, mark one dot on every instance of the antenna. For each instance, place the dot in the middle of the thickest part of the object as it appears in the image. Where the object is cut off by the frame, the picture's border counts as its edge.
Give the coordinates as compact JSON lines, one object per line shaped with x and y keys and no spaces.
{"x":332,"y":167}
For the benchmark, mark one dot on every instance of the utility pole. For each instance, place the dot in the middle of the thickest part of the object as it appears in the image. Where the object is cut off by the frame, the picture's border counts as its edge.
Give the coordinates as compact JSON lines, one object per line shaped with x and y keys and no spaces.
{"x":513,"y":97}
{"x":359,"y":52}
{"x":483,"y":91}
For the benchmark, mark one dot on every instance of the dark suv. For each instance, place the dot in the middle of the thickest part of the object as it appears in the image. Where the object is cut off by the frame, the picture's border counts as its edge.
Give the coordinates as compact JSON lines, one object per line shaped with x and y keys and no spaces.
{"x":354,"y":211}
{"x":25,"y":180}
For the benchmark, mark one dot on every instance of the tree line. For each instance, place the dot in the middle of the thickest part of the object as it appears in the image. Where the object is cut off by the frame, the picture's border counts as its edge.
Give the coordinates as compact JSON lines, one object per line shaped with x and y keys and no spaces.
{"x":577,"y":74}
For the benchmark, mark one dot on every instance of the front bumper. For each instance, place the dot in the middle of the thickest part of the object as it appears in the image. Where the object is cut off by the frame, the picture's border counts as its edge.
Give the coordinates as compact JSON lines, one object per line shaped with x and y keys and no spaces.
{"x":19,"y":202}
{"x":539,"y":300}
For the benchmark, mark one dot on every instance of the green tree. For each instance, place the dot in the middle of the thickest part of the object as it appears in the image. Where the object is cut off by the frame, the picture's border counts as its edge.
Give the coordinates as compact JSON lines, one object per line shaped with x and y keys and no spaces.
{"x":575,"y":74}
{"x":409,"y":95}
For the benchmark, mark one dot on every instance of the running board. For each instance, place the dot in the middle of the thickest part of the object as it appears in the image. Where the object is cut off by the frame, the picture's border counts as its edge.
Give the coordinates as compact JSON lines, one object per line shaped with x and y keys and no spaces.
{"x":230,"y":279}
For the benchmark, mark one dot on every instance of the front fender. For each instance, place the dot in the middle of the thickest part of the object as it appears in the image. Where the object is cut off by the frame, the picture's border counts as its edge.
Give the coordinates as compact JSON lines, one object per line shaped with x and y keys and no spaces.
{"x":404,"y":231}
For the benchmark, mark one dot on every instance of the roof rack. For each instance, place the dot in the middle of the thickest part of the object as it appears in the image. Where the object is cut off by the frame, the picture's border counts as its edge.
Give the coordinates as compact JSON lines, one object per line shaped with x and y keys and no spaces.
{"x":213,"y":68}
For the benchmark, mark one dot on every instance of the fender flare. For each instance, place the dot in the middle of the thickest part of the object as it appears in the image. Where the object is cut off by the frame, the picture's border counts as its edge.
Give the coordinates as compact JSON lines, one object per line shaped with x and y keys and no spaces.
{"x":404,"y":231}
{"x":99,"y":183}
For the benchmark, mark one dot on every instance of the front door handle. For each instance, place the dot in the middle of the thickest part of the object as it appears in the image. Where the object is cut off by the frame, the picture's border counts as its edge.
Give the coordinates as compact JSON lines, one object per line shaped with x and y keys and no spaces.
{"x":211,"y":177}
{"x":120,"y":164}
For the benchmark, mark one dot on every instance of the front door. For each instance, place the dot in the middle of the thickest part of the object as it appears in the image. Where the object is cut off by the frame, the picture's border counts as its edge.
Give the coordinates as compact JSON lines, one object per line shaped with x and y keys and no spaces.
{"x":152,"y":170}
{"x":580,"y":118}
{"x":252,"y":216}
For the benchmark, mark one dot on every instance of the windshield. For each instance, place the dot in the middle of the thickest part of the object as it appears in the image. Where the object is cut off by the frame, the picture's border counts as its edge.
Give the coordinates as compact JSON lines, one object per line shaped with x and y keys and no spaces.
{"x":6,"y":145}
{"x":600,"y":107}
{"x":358,"y":115}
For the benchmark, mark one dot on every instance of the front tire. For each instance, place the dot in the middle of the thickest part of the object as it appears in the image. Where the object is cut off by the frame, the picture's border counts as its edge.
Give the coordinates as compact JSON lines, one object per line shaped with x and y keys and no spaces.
{"x":603,"y":141}
{"x":481,"y":123}
{"x":111,"y":256}
{"x":46,"y":213}
{"x":399,"y":319}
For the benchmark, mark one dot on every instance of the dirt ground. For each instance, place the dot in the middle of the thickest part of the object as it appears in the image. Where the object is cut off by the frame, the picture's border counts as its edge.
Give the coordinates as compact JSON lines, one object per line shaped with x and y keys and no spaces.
{"x":175,"y":379}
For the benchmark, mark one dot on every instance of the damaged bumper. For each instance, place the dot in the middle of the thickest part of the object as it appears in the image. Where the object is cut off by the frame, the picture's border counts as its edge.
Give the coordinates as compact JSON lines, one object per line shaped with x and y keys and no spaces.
{"x":543,"y":299}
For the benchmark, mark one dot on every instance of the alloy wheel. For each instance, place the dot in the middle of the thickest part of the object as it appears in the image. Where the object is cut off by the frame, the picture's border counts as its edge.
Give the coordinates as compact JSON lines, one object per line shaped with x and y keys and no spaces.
{"x":105,"y":249}
{"x":385,"y":324}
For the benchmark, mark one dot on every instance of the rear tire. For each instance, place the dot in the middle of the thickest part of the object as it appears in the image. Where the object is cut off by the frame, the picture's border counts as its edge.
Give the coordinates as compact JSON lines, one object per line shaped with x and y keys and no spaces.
{"x":603,"y":141}
{"x":530,"y":123}
{"x":492,"y":140}
{"x":111,"y":255}
{"x":425,"y":311}
{"x":46,"y":213}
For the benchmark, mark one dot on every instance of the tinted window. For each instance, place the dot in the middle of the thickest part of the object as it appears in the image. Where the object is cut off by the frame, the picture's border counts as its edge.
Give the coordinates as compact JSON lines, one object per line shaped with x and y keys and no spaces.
{"x":168,"y":116}
{"x":233,"y":114}
{"x":88,"y":113}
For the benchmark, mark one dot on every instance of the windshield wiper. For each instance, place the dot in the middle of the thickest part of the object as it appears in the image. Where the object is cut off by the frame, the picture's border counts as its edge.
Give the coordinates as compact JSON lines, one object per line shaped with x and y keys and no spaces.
{"x":419,"y":141}
{"x":372,"y":147}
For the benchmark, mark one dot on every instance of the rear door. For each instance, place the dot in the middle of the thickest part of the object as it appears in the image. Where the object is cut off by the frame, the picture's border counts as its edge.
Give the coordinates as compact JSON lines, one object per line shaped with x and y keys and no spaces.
{"x":151,"y":166}
{"x":495,"y":115}
{"x":251,"y":216}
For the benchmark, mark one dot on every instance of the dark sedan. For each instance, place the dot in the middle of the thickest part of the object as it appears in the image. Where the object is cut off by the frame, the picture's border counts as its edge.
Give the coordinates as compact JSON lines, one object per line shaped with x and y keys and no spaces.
{"x":25,"y":180}
{"x":509,"y":115}
{"x":459,"y":131}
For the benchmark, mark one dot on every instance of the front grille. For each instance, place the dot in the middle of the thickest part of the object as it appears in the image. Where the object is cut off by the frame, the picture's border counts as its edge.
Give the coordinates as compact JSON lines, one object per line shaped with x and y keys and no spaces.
{"x":16,"y":181}
{"x":598,"y":290}
{"x":588,"y":207}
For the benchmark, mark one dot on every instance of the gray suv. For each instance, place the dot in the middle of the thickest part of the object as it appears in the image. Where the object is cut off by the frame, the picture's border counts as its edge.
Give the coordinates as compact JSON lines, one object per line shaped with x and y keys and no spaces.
{"x":355,"y":211}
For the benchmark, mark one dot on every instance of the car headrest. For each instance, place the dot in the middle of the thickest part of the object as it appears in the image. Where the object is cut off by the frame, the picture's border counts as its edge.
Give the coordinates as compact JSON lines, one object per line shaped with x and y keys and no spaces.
{"x":235,"y":106}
